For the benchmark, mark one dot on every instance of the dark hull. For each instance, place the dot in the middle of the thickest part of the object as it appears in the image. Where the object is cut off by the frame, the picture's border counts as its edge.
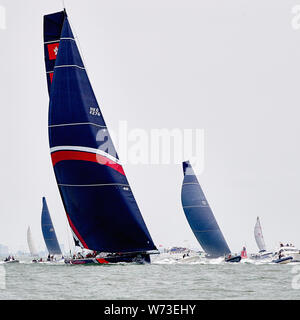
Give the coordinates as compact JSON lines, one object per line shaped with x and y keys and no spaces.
{"x":233,"y":259}
{"x":139,"y":259}
{"x":12,"y":261}
{"x":283,"y":260}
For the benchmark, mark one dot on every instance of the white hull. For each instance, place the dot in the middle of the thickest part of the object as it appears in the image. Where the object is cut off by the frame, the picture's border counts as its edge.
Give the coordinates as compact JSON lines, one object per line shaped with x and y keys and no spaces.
{"x":185,"y":255}
{"x":262,"y":256}
{"x":288,"y":251}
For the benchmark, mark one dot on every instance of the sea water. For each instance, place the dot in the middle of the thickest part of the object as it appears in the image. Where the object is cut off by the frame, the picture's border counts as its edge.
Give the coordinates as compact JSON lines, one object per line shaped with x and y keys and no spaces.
{"x":165,"y":278}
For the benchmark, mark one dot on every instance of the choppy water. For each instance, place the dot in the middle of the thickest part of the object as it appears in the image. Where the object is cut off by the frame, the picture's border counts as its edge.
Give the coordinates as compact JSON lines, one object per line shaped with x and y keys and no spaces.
{"x":165,"y":278}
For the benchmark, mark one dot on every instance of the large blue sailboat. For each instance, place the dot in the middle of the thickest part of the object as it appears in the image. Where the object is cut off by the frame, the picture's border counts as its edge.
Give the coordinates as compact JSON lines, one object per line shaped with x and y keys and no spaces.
{"x":201,"y":218}
{"x":100,"y":206}
{"x":49,"y":231}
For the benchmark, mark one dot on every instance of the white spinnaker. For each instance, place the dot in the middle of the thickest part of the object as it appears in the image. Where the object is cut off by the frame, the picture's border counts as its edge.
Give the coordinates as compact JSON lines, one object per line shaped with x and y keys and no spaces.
{"x":259,"y":236}
{"x":32,"y":248}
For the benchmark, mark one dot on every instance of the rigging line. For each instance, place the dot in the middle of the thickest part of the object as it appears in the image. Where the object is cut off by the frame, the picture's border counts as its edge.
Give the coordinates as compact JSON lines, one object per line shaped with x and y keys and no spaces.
{"x":79,"y":46}
{"x":80,"y":51}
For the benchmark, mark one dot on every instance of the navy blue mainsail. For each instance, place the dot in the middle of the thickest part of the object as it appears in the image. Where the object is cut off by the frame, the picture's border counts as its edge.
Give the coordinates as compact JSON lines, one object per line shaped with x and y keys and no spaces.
{"x":48,"y":231}
{"x":200,"y":216}
{"x":100,"y":206}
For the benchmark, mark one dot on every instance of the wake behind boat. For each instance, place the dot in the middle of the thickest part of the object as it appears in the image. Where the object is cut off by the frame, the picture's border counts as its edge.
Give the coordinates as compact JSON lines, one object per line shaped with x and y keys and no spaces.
{"x":101,"y":209}
{"x":111,"y":258}
{"x":201,"y":218}
{"x":180,"y":253}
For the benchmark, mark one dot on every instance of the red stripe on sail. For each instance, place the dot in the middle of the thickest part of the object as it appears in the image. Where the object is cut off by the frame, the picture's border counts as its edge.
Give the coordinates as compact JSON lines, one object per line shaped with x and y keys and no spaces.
{"x":85,"y":156}
{"x":76,"y":232}
{"x":51,"y":76}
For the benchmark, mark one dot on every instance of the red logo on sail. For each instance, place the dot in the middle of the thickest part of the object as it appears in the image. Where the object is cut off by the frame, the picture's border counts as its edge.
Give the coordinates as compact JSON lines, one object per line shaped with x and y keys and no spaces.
{"x":52,"y":50}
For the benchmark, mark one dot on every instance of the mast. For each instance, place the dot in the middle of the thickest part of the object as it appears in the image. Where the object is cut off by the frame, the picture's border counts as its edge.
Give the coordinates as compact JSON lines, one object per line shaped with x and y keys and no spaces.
{"x":100,"y":206}
{"x":200,"y":216}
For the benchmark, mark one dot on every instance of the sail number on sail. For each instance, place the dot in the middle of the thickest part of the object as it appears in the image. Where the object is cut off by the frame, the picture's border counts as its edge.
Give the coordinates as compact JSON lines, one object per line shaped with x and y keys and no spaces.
{"x":95,"y":112}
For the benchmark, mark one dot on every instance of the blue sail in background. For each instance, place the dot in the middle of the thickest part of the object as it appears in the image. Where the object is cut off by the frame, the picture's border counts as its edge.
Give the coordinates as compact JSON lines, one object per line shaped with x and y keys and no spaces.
{"x":48,"y":231}
{"x":200,"y":216}
{"x":99,"y":204}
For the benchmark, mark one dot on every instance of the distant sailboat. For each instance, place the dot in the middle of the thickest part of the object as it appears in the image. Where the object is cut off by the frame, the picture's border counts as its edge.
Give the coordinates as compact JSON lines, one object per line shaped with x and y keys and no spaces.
{"x":100,"y":206}
{"x":49,"y":232}
{"x":201,"y":218}
{"x":259,"y":238}
{"x":32,"y":249}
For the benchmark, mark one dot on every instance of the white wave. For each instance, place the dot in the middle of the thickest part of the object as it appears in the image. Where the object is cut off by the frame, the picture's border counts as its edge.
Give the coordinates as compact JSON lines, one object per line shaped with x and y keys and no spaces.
{"x":178,"y":259}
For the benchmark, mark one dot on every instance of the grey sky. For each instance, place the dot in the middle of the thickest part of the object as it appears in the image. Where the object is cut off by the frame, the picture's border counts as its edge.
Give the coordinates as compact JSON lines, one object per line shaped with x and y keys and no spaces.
{"x":228,"y":67}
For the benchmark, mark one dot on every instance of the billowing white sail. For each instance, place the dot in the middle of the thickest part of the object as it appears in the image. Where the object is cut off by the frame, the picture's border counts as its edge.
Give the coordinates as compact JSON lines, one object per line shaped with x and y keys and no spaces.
{"x":259,"y":236}
{"x":32,"y":248}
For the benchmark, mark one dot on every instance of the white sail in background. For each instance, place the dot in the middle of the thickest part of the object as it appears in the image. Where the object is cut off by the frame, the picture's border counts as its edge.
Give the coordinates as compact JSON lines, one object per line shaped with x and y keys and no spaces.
{"x":32,"y":248}
{"x":259,"y":236}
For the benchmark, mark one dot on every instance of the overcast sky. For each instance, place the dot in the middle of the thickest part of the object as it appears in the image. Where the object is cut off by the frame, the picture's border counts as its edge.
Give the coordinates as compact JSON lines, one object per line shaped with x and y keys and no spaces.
{"x":229,"y":67}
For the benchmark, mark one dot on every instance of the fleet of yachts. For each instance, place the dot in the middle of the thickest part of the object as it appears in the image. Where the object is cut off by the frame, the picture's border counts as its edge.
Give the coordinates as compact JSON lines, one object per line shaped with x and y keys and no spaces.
{"x":104,"y":218}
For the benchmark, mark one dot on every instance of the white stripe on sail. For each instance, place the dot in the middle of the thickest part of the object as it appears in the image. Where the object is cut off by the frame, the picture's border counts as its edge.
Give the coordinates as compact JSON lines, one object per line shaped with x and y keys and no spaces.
{"x":85,"y":149}
{"x":58,"y":40}
{"x":190,"y":183}
{"x":259,"y":236}
{"x":67,"y":39}
{"x":76,"y":124}
{"x":69,"y":66}
{"x":53,"y":41}
{"x":94,"y":185}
